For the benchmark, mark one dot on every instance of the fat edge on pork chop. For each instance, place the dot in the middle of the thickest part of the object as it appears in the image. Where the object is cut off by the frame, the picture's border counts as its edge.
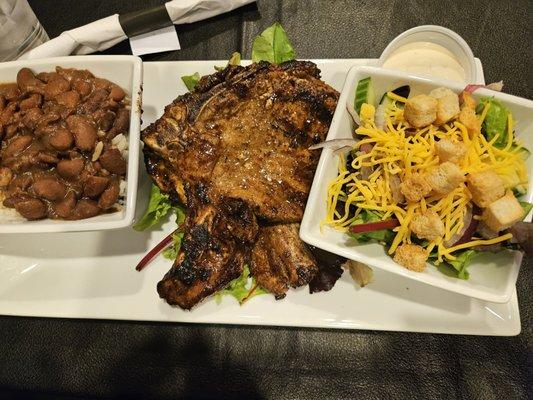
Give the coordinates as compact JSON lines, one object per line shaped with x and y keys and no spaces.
{"x":235,"y":152}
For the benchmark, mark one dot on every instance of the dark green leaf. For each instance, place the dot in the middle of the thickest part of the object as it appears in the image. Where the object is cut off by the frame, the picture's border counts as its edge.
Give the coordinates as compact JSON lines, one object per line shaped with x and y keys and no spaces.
{"x":158,"y":207}
{"x":273,"y":46}
{"x":191,"y":80}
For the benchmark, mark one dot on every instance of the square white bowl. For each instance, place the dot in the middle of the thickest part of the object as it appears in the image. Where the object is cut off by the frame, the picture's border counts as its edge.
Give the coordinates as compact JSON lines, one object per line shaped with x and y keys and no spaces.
{"x":492,"y":276}
{"x":125,"y":71}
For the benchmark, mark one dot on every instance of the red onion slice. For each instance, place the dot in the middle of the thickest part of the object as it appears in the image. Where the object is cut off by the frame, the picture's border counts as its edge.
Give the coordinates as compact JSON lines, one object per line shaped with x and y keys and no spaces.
{"x":374,"y":226}
{"x":496,"y":86}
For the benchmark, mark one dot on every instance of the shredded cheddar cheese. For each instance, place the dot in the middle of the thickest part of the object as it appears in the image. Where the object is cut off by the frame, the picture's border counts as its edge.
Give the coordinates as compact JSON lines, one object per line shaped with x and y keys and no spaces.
{"x":399,"y":153}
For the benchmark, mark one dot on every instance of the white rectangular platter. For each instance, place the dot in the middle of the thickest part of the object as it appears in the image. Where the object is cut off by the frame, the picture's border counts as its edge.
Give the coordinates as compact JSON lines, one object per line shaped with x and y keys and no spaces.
{"x":92,"y":275}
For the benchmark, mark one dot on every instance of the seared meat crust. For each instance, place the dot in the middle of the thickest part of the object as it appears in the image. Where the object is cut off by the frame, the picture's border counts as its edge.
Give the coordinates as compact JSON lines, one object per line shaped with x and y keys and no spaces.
{"x":280,"y":259}
{"x":235,"y":151}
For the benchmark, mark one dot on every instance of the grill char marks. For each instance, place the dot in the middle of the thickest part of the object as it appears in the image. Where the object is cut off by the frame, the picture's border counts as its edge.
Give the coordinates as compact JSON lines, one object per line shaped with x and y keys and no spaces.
{"x":280,"y":259}
{"x":215,"y":248}
{"x":243,"y":135}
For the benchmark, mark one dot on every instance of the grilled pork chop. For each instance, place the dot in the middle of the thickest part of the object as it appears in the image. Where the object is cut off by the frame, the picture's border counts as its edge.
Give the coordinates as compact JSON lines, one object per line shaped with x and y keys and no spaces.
{"x":235,"y":151}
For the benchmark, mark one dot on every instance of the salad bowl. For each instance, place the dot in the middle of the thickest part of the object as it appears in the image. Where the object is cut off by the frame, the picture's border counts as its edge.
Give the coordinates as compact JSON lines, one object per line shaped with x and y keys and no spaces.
{"x":492,"y":275}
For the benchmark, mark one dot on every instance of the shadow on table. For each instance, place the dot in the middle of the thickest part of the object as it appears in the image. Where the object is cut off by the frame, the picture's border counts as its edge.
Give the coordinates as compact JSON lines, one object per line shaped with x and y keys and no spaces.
{"x":179,"y":370}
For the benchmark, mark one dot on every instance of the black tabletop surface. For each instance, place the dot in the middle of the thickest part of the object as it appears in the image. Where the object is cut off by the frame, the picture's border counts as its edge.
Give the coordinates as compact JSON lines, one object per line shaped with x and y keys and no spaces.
{"x":47,"y":358}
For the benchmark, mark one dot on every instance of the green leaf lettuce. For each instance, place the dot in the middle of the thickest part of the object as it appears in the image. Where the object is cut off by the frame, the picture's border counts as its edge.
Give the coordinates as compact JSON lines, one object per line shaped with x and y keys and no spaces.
{"x":273,"y":46}
{"x":461,"y":262}
{"x":242,"y":288}
{"x":191,"y":80}
{"x":158,"y":207}
{"x":495,"y":122}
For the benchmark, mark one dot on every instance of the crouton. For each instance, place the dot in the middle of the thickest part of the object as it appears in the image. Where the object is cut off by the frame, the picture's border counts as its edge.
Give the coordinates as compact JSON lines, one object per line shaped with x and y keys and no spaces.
{"x":503,"y":213}
{"x":467,"y":115}
{"x":485,"y":187}
{"x":467,"y":101}
{"x":450,"y":151}
{"x":415,"y":187}
{"x":420,"y":111}
{"x":446,"y":177}
{"x":411,"y":256}
{"x":447,"y":104}
{"x":427,"y":225}
{"x":469,"y":119}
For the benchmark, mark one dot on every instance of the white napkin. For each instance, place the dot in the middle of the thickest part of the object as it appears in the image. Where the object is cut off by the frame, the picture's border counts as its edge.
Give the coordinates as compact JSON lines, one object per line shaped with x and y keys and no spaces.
{"x":107,"y":32}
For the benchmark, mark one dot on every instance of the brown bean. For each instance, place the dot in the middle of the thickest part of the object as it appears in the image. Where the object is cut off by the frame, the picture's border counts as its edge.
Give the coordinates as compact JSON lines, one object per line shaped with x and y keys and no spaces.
{"x":17,"y":145}
{"x":54,"y":87}
{"x":48,"y":117}
{"x":94,"y":185}
{"x":3,"y":102}
{"x":68,"y":99}
{"x":105,"y":120}
{"x":117,"y":93}
{"x":27,"y":82}
{"x":95,"y":100}
{"x":112,"y":160}
{"x":32,"y":117}
{"x":31,"y":208}
{"x":83,"y":130}
{"x":5,"y":176}
{"x":101,"y":83}
{"x":10,"y":91}
{"x":19,"y":183}
{"x":70,"y":168}
{"x":11,"y":130}
{"x":13,"y":199}
{"x":81,"y":86}
{"x":35,"y":100}
{"x":85,"y":209}
{"x":47,"y":158}
{"x":121,"y":124}
{"x":61,"y":139}
{"x":72,"y":73}
{"x":48,"y":76}
{"x":49,"y":189}
{"x":110,"y":196}
{"x":8,"y":114}
{"x":64,"y":208}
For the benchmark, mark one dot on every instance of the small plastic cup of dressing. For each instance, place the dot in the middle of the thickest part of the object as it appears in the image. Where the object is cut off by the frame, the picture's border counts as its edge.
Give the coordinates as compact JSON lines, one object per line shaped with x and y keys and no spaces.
{"x":431,"y":50}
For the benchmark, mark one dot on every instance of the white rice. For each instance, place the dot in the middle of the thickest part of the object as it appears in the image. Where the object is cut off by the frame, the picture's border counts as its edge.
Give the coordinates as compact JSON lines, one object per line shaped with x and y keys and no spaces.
{"x":8,"y":215}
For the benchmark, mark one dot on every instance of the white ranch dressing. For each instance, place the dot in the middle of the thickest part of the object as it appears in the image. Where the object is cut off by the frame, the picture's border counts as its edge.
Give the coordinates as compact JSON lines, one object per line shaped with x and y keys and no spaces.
{"x":426,"y":58}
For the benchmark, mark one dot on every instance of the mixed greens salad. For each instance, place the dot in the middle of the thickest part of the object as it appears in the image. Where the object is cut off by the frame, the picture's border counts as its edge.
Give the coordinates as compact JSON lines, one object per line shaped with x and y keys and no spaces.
{"x":425,"y":176}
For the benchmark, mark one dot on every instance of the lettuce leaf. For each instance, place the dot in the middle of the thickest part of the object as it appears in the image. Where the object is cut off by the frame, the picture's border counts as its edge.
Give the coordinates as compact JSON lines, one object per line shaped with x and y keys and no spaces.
{"x":235,"y":59}
{"x":158,"y":207}
{"x":171,"y":252}
{"x":461,"y":262}
{"x":191,"y":80}
{"x":273,"y":46}
{"x":382,"y":236}
{"x":242,"y":288}
{"x":495,"y":122}
{"x":526,"y":206}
